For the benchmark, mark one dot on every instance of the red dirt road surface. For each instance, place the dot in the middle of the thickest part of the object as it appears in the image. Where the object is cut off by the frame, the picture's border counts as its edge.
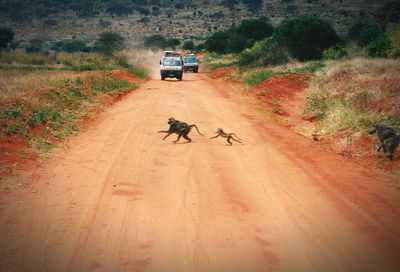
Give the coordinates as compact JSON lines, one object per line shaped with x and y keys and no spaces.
{"x":121,"y":199}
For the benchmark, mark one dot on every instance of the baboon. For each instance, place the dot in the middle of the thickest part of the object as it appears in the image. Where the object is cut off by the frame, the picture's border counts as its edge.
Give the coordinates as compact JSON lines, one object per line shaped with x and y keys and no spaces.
{"x":228,"y":136}
{"x":388,"y":137}
{"x":180,"y":128}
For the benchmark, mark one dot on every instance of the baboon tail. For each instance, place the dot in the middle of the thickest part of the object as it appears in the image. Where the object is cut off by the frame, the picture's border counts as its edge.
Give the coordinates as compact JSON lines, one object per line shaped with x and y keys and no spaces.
{"x":236,"y":136}
{"x":196,"y":129}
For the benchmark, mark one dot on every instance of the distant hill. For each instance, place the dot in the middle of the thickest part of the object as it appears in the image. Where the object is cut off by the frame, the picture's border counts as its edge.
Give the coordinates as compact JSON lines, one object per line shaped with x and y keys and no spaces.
{"x":54,"y":20}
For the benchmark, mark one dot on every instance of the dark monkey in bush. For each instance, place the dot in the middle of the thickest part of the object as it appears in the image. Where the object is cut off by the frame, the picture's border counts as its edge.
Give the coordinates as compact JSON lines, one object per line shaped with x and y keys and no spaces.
{"x":388,"y":137}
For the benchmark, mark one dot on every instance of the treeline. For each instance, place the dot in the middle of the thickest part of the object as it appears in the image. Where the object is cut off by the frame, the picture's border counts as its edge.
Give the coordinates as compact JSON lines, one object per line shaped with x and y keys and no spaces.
{"x":106,"y":43}
{"x":21,"y":11}
{"x":258,"y":43}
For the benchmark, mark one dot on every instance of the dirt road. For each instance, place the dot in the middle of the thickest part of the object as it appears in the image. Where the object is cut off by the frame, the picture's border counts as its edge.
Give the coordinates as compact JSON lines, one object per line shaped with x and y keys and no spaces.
{"x":121,"y":199}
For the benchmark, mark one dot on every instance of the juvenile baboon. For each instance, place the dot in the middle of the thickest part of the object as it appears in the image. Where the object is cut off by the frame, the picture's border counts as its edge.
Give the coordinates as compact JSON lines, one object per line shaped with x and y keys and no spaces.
{"x":180,"y":128}
{"x":388,"y":137}
{"x":228,"y":136}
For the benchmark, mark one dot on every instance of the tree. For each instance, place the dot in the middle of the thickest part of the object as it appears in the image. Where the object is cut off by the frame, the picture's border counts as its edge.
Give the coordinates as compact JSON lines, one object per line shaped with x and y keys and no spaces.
{"x":253,"y":5}
{"x":109,"y":42}
{"x":230,"y":3}
{"x":236,"y":43}
{"x":18,"y":12}
{"x":6,"y":37}
{"x":368,"y":34}
{"x":83,"y":8}
{"x":306,"y":37}
{"x":255,"y":29}
{"x":34,"y":46}
{"x":74,"y":46}
{"x":379,"y":47}
{"x":217,"y":42}
{"x":389,"y":13}
{"x":355,"y":30}
{"x":188,"y":45}
{"x":155,"y":41}
{"x":173,"y":42}
{"x":118,"y":9}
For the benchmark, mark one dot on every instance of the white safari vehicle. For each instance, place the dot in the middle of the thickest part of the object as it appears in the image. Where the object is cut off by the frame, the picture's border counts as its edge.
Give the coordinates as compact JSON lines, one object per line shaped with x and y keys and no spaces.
{"x":171,"y":67}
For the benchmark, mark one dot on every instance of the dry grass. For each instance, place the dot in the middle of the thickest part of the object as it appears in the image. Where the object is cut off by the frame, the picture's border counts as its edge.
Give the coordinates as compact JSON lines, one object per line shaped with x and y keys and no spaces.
{"x":15,"y":84}
{"x":355,"y":94}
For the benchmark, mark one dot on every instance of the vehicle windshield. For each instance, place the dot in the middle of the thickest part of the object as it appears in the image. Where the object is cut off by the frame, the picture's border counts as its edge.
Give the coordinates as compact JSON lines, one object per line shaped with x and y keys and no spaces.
{"x":190,"y":60}
{"x":171,"y":54}
{"x":172,"y":62}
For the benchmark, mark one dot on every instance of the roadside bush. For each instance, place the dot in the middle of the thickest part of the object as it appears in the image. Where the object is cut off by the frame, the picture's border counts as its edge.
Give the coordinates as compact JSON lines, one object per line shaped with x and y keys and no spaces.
{"x":306,"y":37}
{"x":274,"y":53}
{"x":379,"y":47}
{"x":265,"y":52}
{"x":109,"y":42}
{"x":334,"y":52}
{"x":236,"y":43}
{"x":250,"y":56}
{"x":217,"y":42}
{"x":368,"y":34}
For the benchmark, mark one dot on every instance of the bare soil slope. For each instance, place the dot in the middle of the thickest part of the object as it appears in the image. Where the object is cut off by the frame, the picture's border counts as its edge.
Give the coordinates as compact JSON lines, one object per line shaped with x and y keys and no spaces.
{"x":120,"y":199}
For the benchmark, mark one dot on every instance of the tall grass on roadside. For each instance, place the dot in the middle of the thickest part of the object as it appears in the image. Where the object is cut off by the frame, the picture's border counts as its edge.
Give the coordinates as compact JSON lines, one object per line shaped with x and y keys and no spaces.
{"x":216,"y":61}
{"x":257,"y":75}
{"x":63,"y":61}
{"x":44,"y":106}
{"x":355,"y":94}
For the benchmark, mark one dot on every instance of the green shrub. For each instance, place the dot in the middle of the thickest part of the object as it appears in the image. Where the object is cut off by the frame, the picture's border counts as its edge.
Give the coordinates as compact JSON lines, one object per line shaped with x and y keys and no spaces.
{"x":368,"y":34}
{"x":354,"y":31}
{"x":379,"y":47}
{"x":188,"y":45}
{"x":38,"y":117}
{"x":73,"y":46}
{"x":236,"y":43}
{"x":172,"y":42}
{"x":13,"y":111}
{"x":316,"y":104}
{"x":256,"y":78}
{"x":138,"y":71}
{"x":266,"y":52}
{"x":306,"y":37}
{"x":255,"y":29}
{"x":16,"y":129}
{"x":6,"y":37}
{"x":235,"y":40}
{"x":109,"y":42}
{"x":217,"y":42}
{"x":35,"y":46}
{"x":122,"y":60}
{"x":334,"y":52}
{"x":250,"y":56}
